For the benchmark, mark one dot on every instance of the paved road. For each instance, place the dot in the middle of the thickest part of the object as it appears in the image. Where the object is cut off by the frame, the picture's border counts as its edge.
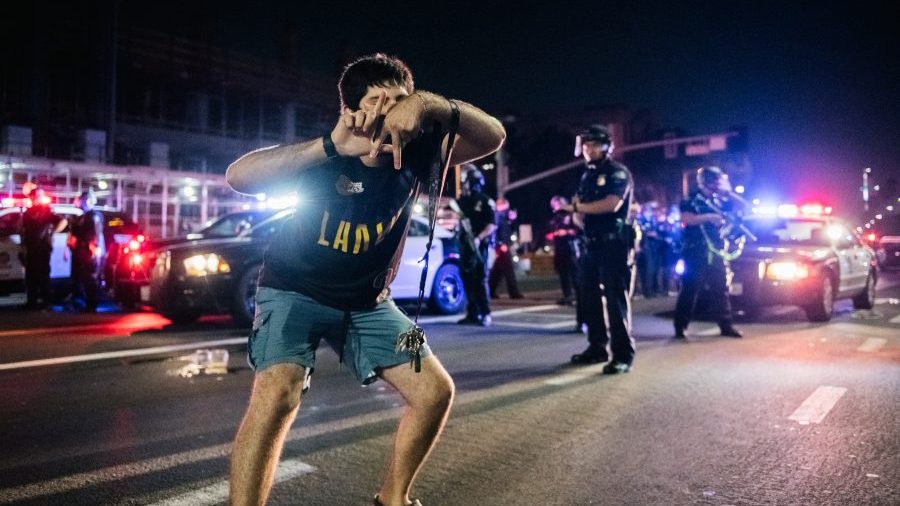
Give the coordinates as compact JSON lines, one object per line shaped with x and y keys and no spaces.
{"x":97,"y":410}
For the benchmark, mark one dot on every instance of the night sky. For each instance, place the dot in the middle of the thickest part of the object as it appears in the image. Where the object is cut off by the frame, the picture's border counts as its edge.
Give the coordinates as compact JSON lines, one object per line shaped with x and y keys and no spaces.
{"x":816,"y":83}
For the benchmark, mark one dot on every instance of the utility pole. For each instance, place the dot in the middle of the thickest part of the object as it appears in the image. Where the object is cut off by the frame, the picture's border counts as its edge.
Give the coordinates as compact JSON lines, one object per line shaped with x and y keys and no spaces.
{"x":865,"y":189}
{"x":113,"y":85}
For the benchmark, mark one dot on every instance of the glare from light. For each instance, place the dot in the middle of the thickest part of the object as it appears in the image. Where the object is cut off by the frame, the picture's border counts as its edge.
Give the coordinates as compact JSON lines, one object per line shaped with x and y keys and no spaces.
{"x":102,"y":184}
{"x":787,"y":271}
{"x":812,"y":209}
{"x":679,"y":267}
{"x":516,"y":258}
{"x":547,"y":249}
{"x":134,"y":244}
{"x":835,"y":232}
{"x":260,"y":197}
{"x":787,"y":210}
{"x":245,"y":207}
{"x":283,"y":202}
{"x":418,"y":208}
{"x":188,"y":191}
{"x":879,"y":216}
{"x":889,"y":208}
{"x":739,"y":189}
{"x":514,"y":237}
{"x":756,"y":202}
{"x":877,"y":187}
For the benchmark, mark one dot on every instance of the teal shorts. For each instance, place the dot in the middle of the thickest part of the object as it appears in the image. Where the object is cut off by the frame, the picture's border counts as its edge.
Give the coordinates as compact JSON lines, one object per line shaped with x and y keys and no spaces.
{"x":288,"y":328}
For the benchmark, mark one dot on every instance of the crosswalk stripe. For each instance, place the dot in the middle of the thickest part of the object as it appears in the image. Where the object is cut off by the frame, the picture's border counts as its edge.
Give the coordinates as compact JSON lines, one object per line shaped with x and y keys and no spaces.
{"x":872,"y":344}
{"x":816,"y":406}
{"x":218,"y":491}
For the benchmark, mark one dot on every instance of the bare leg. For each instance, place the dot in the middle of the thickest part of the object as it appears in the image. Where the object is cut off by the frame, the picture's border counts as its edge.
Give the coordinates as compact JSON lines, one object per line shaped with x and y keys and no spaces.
{"x":273,"y":405}
{"x":428,"y":395}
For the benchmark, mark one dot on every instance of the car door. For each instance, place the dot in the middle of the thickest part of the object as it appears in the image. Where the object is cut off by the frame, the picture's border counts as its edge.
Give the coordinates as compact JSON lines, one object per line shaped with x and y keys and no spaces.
{"x":61,"y":257}
{"x":11,"y":268}
{"x":409,"y":272}
{"x":852,"y":277}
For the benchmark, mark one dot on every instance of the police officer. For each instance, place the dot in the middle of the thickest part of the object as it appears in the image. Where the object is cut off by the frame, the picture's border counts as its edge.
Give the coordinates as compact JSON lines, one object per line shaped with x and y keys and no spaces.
{"x":603,"y":204}
{"x":504,"y":269}
{"x":703,"y":246}
{"x":477,"y":229}
{"x":88,"y":252}
{"x":38,"y":226}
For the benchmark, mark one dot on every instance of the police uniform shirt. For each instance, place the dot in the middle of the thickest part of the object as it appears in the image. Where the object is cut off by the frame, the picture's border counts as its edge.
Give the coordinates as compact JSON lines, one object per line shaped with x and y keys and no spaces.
{"x":693,"y":234}
{"x":38,"y":224}
{"x":600,"y":180}
{"x":479,"y":209}
{"x":343,"y":243}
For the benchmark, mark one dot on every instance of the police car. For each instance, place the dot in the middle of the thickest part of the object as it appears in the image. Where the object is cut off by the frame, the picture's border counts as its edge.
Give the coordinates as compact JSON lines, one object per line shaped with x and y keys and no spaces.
{"x":12,"y":270}
{"x":119,"y":230}
{"x":219,"y":275}
{"x":803,"y":257}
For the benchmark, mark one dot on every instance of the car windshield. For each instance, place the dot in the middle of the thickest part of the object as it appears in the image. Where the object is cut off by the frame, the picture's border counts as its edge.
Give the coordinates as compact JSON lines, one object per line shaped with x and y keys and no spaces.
{"x":791,"y":232}
{"x":231,"y":225}
{"x":266,"y":228}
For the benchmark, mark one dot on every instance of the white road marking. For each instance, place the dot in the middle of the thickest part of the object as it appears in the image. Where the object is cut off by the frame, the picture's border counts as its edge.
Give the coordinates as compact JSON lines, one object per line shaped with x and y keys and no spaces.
{"x":494,"y":314}
{"x":816,"y":406}
{"x":537,"y":326}
{"x":582,"y":373}
{"x":218,"y":491}
{"x":142,"y":467}
{"x":872,"y":344}
{"x":120,"y":354}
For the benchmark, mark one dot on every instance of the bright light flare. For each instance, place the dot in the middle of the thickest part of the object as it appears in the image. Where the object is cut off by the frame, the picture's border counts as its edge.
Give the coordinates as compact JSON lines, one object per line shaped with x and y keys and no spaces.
{"x":679,"y":266}
{"x":787,"y":271}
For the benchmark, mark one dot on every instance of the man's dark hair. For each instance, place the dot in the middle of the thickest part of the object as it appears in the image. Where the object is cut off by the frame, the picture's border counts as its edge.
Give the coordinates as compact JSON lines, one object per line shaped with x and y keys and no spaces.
{"x":372,"y":70}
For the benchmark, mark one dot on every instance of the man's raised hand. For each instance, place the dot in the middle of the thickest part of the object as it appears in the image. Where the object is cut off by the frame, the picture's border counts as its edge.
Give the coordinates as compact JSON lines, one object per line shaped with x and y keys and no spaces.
{"x":352,"y":135}
{"x":403,"y":123}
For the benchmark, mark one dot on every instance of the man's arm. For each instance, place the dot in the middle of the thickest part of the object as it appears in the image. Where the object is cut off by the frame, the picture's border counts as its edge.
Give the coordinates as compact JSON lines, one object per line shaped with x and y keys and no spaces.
{"x":479,"y":134}
{"x":690,"y":219}
{"x":262,"y":170}
{"x":606,"y":205}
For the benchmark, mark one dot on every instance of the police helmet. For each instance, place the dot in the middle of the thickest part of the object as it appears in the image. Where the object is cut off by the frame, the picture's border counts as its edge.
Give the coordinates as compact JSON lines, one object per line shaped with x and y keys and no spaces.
{"x":474,"y":179}
{"x":709,"y":176}
{"x":595,"y":132}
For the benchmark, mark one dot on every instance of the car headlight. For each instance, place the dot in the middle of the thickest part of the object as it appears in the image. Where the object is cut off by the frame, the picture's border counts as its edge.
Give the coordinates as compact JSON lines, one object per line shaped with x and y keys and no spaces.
{"x":204,"y":265}
{"x":787,"y":271}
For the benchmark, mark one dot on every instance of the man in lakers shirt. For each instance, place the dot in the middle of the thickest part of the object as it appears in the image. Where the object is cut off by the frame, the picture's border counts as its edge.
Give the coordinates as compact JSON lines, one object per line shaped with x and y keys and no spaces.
{"x":326,"y":273}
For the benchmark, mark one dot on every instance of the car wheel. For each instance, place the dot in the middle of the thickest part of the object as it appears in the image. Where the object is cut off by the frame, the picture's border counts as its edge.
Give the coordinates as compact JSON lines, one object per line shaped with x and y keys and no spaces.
{"x":823,"y":308}
{"x":447,"y":293}
{"x":244,"y":304}
{"x":866,"y":300}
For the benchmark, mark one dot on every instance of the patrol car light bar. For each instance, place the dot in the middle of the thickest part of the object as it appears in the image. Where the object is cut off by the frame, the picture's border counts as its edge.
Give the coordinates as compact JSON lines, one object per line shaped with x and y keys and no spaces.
{"x":792,"y":210}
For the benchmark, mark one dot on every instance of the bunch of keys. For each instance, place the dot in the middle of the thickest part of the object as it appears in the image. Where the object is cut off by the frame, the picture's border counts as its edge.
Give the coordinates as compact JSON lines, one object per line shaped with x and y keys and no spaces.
{"x":412,"y":341}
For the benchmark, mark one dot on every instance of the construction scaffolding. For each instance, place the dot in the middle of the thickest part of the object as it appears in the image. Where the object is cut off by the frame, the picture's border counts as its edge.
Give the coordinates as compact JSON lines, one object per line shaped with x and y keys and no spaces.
{"x":165,"y":202}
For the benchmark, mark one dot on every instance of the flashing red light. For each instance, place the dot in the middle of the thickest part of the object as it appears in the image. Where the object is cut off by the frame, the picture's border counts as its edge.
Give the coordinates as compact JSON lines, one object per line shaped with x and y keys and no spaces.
{"x":504,"y":248}
{"x":141,"y":238}
{"x":46,"y":200}
{"x":872,"y":237}
{"x":137,"y":259}
{"x":133,"y":244}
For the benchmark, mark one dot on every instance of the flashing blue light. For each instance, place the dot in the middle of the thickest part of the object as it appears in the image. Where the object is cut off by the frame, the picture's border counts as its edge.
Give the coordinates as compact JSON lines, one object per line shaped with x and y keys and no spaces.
{"x":679,"y":267}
